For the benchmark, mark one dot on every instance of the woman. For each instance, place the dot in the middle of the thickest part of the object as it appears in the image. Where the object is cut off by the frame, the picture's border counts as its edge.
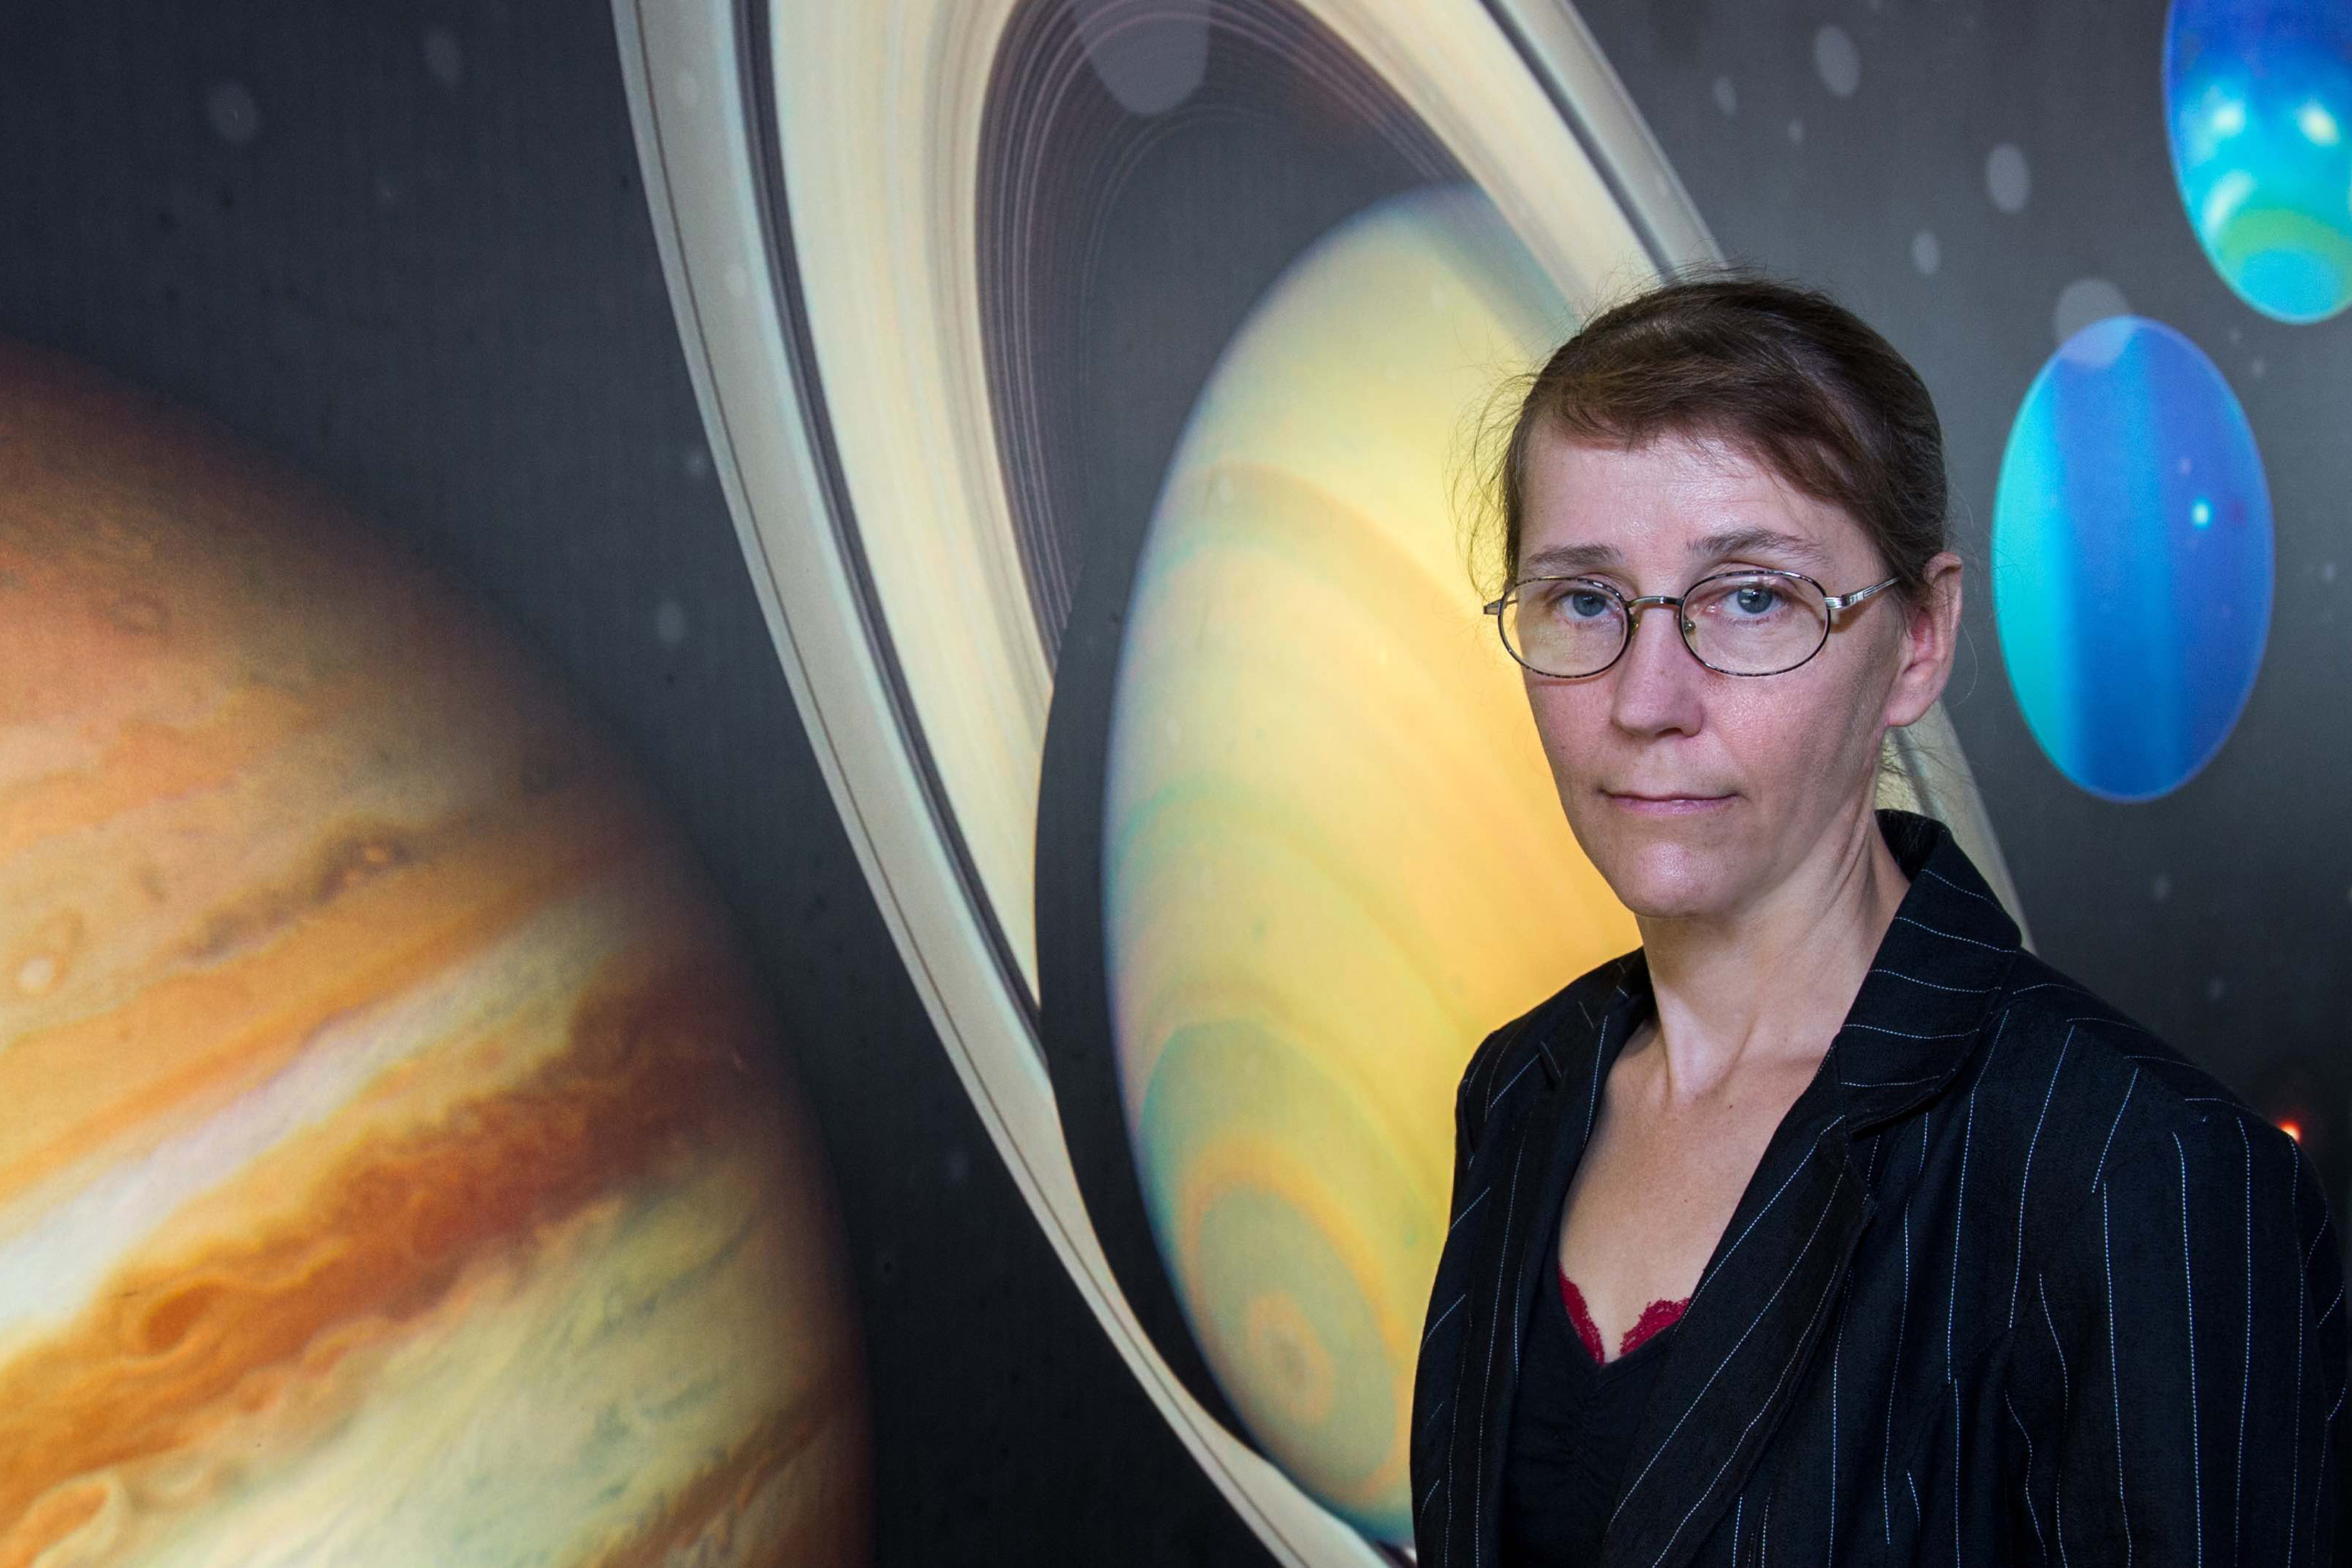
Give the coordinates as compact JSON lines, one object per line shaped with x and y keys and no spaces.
{"x":1829,"y":1225}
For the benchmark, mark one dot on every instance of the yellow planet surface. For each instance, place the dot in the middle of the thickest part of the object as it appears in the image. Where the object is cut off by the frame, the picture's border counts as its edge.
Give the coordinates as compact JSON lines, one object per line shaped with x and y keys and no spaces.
{"x":1333,"y":857}
{"x":395,"y":1162}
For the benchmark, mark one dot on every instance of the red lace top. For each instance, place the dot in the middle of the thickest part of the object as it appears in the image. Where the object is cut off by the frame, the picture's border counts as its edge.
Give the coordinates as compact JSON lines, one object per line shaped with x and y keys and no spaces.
{"x":1654,"y":1317}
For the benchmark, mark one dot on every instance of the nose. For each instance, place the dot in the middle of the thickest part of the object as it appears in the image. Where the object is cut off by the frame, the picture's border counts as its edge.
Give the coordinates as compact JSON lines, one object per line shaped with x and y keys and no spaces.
{"x":1657,"y":680}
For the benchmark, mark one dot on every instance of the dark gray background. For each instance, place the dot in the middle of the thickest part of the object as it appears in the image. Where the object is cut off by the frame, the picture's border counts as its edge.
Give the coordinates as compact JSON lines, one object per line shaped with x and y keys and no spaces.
{"x":403,"y":247}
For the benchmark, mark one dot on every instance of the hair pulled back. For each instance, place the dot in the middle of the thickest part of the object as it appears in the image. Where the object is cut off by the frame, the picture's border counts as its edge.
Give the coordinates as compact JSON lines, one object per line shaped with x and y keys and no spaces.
{"x":1781,"y":371}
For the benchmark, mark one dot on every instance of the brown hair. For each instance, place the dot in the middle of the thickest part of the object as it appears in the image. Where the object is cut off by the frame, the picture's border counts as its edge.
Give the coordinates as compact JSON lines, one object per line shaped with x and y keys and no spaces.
{"x":1800,"y":383}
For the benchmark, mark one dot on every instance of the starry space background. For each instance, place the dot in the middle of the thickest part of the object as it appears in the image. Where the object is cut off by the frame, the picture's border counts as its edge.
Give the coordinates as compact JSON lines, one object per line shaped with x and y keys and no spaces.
{"x":403,"y":246}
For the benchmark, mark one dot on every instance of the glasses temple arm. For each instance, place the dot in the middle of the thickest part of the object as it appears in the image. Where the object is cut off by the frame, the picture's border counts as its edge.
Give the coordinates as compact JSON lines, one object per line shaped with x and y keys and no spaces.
{"x":1842,"y":601}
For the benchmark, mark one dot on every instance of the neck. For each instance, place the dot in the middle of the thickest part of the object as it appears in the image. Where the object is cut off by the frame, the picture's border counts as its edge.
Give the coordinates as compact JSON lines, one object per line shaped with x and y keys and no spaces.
{"x":1766,"y":986}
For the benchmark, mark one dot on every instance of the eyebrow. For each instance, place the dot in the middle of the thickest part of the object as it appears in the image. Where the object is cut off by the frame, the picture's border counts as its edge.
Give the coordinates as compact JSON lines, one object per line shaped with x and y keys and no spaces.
{"x":1568,"y":560}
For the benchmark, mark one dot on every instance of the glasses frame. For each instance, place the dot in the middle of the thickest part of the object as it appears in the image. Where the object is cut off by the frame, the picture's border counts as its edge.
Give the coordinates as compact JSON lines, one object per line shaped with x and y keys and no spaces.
{"x":1835,"y":603}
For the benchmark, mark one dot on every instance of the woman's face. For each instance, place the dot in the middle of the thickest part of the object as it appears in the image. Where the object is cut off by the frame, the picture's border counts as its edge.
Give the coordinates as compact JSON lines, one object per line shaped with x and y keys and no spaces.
{"x":1693,"y":792}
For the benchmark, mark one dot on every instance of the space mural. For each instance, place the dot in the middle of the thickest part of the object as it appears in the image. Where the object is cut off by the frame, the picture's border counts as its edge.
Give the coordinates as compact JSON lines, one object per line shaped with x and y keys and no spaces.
{"x":1092,"y":385}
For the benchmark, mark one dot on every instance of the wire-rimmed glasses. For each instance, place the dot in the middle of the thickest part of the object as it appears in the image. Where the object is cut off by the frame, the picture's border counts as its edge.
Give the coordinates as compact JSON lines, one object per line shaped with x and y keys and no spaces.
{"x":1750,"y":621}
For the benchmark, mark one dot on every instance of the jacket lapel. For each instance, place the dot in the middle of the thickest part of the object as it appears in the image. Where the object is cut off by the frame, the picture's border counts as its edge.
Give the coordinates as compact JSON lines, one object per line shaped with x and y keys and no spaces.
{"x":1551,"y":1143}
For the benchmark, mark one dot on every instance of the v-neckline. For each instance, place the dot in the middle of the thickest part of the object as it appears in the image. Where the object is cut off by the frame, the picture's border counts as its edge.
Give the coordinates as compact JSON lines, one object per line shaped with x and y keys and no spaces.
{"x":1561,"y":1285}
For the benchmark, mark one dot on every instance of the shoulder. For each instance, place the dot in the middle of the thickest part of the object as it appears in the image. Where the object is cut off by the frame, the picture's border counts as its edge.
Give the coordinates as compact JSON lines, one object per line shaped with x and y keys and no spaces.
{"x":2061,"y":1045}
{"x":1513,"y":1046}
{"x":2102,"y":1109}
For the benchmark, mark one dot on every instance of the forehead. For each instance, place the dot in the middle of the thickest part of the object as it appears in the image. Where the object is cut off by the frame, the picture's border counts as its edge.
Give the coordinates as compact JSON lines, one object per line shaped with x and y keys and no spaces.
{"x":1669,"y":500}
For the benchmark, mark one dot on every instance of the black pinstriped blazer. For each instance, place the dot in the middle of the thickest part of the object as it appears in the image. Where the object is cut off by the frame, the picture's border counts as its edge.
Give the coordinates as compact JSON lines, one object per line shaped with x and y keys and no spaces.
{"x":2012,"y":1283}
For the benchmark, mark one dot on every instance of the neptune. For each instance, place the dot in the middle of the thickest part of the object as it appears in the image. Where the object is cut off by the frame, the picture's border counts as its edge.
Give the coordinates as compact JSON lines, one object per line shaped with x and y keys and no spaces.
{"x":2258,"y":107}
{"x":2131,"y":558}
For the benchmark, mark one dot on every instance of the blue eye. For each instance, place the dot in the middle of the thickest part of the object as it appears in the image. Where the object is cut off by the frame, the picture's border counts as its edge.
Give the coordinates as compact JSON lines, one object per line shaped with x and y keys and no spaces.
{"x":1755,"y":599}
{"x":1587,"y":604}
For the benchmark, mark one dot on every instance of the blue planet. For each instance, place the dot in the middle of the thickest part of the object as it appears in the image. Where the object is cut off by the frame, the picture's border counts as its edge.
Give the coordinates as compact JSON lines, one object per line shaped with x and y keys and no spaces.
{"x":2258,"y":108}
{"x":2132,"y":565}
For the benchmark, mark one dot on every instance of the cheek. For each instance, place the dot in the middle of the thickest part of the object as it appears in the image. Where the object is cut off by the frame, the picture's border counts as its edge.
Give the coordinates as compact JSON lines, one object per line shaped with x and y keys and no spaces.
{"x":1825,"y":733}
{"x":1572,"y":721}
{"x":1757,"y":738}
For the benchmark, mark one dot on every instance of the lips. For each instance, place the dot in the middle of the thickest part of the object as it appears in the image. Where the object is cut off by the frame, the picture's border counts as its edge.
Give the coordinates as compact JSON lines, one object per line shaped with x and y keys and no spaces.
{"x":1665,"y":804}
{"x":1664,"y":794}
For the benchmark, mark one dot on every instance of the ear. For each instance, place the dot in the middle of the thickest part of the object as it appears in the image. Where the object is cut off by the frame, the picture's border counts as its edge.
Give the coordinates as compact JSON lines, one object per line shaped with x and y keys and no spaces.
{"x":1930,"y":630}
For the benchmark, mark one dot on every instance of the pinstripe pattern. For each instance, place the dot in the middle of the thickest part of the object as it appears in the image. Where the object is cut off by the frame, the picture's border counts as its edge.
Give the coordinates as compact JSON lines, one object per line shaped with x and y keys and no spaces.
{"x":2141,"y":1352}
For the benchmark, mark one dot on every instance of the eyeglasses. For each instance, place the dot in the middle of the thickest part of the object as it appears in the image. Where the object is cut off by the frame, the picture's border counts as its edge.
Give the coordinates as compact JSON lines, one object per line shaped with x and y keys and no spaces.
{"x":1753,"y":620}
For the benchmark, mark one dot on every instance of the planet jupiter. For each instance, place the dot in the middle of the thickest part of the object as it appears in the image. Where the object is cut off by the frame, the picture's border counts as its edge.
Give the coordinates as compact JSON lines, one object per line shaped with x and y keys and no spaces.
{"x":396,"y":1161}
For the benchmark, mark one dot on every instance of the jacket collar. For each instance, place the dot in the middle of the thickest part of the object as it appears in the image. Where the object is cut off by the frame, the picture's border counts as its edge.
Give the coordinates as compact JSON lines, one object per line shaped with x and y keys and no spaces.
{"x":1932,"y":982}
{"x":1766,"y":1296}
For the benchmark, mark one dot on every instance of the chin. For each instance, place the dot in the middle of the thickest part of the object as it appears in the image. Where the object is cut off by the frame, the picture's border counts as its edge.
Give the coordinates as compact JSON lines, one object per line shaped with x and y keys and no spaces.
{"x":1672,"y":901}
{"x":1663,"y":880}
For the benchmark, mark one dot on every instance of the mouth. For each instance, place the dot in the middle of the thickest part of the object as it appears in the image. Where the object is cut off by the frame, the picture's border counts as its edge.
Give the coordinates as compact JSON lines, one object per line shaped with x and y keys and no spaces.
{"x":1664,"y":804}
